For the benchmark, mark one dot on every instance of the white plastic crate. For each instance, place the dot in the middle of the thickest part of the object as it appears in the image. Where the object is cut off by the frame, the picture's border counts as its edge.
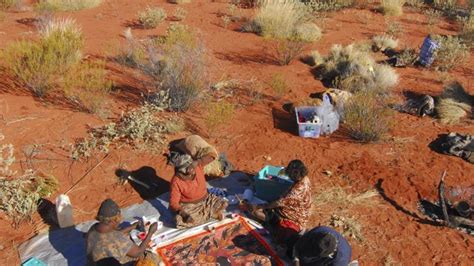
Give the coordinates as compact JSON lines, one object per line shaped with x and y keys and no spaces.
{"x":307,"y":129}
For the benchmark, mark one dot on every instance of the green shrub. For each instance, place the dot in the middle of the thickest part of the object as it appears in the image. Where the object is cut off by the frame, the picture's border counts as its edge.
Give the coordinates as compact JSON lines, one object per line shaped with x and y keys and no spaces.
{"x":151,"y":17}
{"x":218,"y":113}
{"x":67,"y":5}
{"x":367,"y":118}
{"x":278,"y":85}
{"x":87,"y":86}
{"x":451,"y":53}
{"x":392,"y":7}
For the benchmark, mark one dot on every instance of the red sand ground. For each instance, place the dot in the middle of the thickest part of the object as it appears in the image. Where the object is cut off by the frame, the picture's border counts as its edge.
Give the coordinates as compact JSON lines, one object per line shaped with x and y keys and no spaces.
{"x":405,"y":163}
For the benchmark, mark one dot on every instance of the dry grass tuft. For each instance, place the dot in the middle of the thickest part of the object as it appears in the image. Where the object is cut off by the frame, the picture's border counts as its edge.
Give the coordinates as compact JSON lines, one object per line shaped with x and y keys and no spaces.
{"x":383,"y":43}
{"x":68,"y":5}
{"x":314,"y":58}
{"x":150,"y":18}
{"x":451,"y":53}
{"x":454,"y":104}
{"x":218,"y":113}
{"x":392,"y":7}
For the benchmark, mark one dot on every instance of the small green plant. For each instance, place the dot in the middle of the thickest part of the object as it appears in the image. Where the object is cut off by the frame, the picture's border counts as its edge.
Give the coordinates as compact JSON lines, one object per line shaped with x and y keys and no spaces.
{"x":366,"y":117}
{"x":180,"y":14}
{"x":151,"y":17}
{"x":392,"y":7}
{"x":67,"y":5}
{"x":218,"y":113}
{"x":87,"y":86}
{"x":451,"y":53}
{"x":278,"y":85}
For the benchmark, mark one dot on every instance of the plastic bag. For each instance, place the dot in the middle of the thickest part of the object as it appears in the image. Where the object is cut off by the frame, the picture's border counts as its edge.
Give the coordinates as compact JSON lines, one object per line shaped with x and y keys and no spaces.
{"x":328,"y":115}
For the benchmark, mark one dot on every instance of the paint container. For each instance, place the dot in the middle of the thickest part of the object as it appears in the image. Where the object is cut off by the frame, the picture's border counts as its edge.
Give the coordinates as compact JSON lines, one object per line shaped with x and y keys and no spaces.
{"x":248,"y":195}
{"x":64,"y":211}
{"x":233,"y":200}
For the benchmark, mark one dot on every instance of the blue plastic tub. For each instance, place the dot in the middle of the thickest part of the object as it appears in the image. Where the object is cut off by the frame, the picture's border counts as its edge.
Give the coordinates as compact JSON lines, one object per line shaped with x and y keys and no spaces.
{"x":33,"y":262}
{"x":270,"y":189}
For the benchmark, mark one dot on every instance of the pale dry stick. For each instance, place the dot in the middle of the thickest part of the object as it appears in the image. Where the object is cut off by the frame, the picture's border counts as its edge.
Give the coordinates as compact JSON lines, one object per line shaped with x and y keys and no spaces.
{"x":87,"y":173}
{"x":22,"y":119}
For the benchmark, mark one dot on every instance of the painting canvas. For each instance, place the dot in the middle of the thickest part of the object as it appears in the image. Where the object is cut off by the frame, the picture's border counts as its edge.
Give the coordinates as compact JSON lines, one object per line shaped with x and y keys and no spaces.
{"x":233,"y":243}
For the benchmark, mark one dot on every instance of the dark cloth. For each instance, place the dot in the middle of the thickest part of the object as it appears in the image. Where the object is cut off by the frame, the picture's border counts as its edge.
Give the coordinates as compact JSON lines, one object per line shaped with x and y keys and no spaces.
{"x":283,"y":230}
{"x":304,"y":245}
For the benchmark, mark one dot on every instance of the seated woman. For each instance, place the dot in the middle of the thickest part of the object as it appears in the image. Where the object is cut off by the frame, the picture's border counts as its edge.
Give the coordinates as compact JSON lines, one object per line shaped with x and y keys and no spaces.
{"x":107,"y":245}
{"x":288,"y":215}
{"x":322,"y":246}
{"x":189,"y":197}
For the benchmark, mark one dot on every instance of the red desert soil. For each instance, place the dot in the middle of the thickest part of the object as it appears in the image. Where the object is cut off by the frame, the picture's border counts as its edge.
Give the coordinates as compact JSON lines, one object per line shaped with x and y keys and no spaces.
{"x":409,"y":169}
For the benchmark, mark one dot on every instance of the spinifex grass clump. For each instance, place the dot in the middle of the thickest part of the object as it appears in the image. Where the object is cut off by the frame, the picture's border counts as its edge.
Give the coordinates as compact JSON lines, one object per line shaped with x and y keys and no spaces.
{"x":67,"y":5}
{"x":454,"y":104}
{"x":218,"y":113}
{"x":40,"y":64}
{"x":151,"y":17}
{"x":392,"y":7}
{"x":452,"y":52}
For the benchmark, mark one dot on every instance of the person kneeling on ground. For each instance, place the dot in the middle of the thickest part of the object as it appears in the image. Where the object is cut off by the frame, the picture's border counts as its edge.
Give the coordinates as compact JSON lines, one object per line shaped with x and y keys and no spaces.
{"x":288,"y":215}
{"x":197,"y":148}
{"x":107,"y":245}
{"x":189,"y":196}
{"x":321,"y":246}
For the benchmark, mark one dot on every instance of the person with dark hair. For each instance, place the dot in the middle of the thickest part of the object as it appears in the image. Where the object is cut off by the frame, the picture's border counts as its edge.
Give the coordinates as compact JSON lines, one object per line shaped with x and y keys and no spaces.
{"x":288,"y":215}
{"x":189,"y":197}
{"x":107,"y":245}
{"x":322,"y":246}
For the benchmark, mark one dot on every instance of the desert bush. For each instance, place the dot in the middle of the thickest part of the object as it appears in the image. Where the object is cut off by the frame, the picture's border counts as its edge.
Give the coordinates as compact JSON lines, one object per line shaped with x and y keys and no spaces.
{"x":328,"y":5}
{"x":20,"y":194}
{"x":467,"y":30}
{"x":67,"y":5}
{"x":38,"y":64}
{"x":314,"y":58}
{"x":151,"y":17}
{"x":451,"y":53}
{"x":286,"y":50}
{"x":140,"y":128}
{"x":454,"y":103}
{"x":406,"y":57}
{"x":385,"y":78}
{"x":394,"y":28}
{"x":87,"y":86}
{"x":392,"y":7}
{"x":279,"y":19}
{"x":218,"y":113}
{"x":180,"y":13}
{"x":366,"y":117}
{"x":278,"y":84}
{"x":308,"y":32}
{"x":383,"y":42}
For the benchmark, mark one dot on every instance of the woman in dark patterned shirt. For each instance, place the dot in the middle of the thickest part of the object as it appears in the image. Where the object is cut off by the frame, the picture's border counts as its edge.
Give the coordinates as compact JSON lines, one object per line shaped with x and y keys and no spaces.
{"x":288,"y":215}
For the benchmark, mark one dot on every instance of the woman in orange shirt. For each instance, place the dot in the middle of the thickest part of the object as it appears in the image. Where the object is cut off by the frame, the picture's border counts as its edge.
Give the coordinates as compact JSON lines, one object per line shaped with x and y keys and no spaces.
{"x":189,"y":197}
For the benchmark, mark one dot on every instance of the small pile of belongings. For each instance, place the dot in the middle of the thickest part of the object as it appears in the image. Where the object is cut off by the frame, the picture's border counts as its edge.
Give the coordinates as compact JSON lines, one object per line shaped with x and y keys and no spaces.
{"x":459,"y":145}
